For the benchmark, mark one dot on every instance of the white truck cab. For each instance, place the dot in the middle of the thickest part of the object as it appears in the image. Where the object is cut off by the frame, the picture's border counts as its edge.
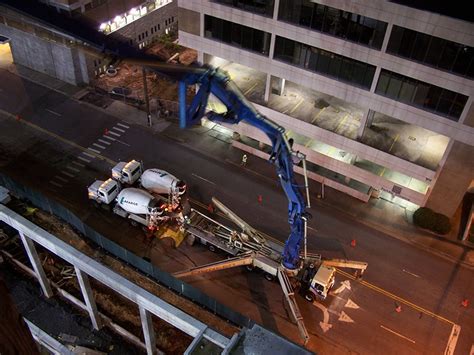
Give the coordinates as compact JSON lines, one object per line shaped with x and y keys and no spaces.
{"x":127,"y":173}
{"x":103,"y":191}
{"x":323,"y":281}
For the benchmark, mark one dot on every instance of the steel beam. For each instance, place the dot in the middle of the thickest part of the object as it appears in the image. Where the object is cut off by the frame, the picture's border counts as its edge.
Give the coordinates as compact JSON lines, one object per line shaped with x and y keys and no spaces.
{"x":36,"y":263}
{"x":148,"y":331}
{"x":88,"y":296}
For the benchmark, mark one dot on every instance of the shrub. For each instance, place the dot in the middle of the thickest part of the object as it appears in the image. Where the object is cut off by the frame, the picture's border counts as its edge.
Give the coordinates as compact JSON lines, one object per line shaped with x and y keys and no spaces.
{"x":425,"y":217}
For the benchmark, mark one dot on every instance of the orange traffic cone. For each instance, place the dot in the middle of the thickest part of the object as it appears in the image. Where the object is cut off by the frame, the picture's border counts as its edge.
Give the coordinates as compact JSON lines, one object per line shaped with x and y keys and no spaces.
{"x":465,"y":303}
{"x":398,"y":309}
{"x":260,"y":198}
{"x":353,"y":243}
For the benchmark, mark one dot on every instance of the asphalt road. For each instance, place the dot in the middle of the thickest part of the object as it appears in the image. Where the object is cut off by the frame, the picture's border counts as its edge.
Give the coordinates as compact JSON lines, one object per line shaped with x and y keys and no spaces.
{"x":58,"y":146}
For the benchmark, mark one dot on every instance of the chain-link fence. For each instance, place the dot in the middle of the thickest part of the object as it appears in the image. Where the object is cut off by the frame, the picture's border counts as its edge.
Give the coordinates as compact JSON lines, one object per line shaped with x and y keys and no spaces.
{"x":39,"y":200}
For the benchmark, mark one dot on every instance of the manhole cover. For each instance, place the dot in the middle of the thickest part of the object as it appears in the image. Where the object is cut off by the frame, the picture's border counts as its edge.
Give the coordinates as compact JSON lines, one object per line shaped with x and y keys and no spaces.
{"x":411,"y":138}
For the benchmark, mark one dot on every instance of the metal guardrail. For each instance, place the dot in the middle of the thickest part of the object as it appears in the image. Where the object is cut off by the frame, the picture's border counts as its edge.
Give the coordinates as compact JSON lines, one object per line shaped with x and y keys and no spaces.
{"x":85,"y":266}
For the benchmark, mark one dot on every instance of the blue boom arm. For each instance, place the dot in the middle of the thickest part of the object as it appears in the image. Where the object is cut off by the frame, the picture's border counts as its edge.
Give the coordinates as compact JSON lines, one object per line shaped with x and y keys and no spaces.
{"x":217,"y":82}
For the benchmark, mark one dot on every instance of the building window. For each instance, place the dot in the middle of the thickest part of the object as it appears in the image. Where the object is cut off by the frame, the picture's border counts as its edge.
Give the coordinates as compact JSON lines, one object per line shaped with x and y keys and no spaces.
{"x":139,"y":38}
{"x":155,"y":28}
{"x":166,"y":22}
{"x":346,"y":25}
{"x":172,"y":18}
{"x":146,"y":33}
{"x":237,"y":35}
{"x":420,"y":94}
{"x":261,"y":7}
{"x":433,"y":51}
{"x":151,"y":30}
{"x":325,"y":63}
{"x":158,"y":26}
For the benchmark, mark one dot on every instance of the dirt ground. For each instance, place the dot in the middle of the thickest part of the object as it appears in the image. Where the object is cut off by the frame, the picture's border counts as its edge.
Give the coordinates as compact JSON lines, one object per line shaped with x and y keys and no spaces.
{"x":130,"y":76}
{"x":169,"y":339}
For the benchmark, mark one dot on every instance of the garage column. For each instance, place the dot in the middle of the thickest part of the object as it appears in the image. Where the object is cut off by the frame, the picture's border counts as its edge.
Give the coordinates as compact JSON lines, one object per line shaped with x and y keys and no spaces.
{"x":366,"y":121}
{"x":88,"y":296}
{"x":268,"y":87}
{"x":36,"y":263}
{"x":280,"y":86}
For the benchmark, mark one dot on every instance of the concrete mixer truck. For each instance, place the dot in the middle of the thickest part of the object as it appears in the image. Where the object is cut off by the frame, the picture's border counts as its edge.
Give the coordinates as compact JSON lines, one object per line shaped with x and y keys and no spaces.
{"x":139,"y":206}
{"x":155,"y":181}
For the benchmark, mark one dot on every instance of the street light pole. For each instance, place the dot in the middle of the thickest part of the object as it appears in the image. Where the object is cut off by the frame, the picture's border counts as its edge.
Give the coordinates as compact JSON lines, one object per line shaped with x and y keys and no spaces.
{"x":147,"y":101}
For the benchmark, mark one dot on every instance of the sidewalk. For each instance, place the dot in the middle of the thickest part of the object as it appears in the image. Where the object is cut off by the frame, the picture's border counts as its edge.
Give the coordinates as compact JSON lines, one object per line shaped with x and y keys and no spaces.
{"x":377,"y":213}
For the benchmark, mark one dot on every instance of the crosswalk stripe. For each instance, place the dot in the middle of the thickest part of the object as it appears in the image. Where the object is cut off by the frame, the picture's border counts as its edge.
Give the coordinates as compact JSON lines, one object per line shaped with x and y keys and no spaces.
{"x":115,"y":134}
{"x":72,"y":169}
{"x":119,"y":129}
{"x":84,"y":159}
{"x":123,"y":125}
{"x":102,"y":141}
{"x":89,"y":155}
{"x":61,"y":178}
{"x":78,"y":164}
{"x":56,"y":183}
{"x":98,"y":145}
{"x":67,"y":174}
{"x":112,"y":139}
{"x":94,"y":150}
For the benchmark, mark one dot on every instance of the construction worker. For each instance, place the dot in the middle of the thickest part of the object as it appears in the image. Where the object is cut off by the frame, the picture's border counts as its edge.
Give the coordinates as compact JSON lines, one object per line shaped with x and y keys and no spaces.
{"x":244,"y":160}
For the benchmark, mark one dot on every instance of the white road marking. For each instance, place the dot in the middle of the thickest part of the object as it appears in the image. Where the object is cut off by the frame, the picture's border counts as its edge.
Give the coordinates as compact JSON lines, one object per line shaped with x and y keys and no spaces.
{"x":123,"y":125}
{"x":397,"y":334}
{"x":453,"y":339}
{"x":343,"y":317}
{"x":344,"y":284}
{"x":98,"y":145}
{"x":410,"y":273}
{"x":115,"y":134}
{"x":119,"y":129}
{"x":89,"y":155}
{"x":110,"y":138}
{"x":325,"y":325}
{"x":54,"y":113}
{"x":200,"y":177}
{"x":351,"y":304}
{"x":67,"y":174}
{"x":102,"y":141}
{"x":61,"y":178}
{"x":311,"y":228}
{"x":72,"y":169}
{"x":56,"y":183}
{"x":94,"y":150}
{"x":118,"y":140}
{"x":78,"y":164}
{"x":84,"y":159}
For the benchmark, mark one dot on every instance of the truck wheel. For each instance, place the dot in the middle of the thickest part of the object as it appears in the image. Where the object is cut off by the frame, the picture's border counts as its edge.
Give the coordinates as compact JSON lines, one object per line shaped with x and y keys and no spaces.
{"x":269,"y":277}
{"x":133,"y":223}
{"x":212,"y":248}
{"x":309,"y":297}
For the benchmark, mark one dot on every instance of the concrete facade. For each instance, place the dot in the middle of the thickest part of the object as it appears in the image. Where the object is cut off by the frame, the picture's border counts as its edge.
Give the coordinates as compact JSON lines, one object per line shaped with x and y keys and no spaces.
{"x":45,"y":51}
{"x":461,"y":132}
